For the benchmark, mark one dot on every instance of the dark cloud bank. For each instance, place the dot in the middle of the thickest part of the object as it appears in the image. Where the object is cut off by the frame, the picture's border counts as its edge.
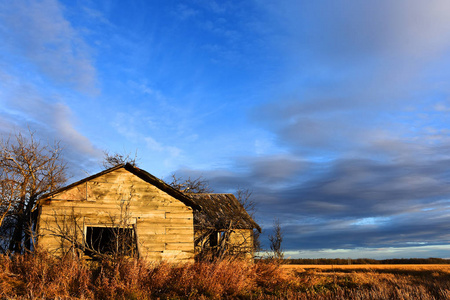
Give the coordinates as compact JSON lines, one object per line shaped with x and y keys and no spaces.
{"x":348,"y":203}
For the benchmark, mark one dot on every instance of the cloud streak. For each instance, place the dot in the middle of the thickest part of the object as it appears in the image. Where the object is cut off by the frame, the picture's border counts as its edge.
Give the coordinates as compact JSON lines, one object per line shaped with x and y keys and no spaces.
{"x":48,"y":41}
{"x":44,"y":63}
{"x":52,"y":120}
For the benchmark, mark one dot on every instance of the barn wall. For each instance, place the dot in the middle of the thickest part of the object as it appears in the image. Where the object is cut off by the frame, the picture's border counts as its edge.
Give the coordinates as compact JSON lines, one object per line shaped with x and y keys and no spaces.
{"x":242,"y":239}
{"x":164,"y":225}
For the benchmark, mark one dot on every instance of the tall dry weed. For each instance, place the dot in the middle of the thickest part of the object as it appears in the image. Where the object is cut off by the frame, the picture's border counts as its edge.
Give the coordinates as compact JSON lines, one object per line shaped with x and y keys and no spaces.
{"x":40,"y":275}
{"x":226,"y":277}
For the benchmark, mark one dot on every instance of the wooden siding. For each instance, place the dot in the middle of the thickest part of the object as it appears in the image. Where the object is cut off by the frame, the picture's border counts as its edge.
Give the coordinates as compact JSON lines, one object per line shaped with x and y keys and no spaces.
{"x":242,"y":239}
{"x":164,"y":225}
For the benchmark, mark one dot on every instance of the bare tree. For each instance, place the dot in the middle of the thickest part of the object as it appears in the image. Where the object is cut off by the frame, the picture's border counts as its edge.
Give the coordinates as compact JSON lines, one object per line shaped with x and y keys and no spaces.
{"x":200,"y":185}
{"x":114,"y":159}
{"x":6,"y":197}
{"x":244,"y":197}
{"x":197,"y":185}
{"x":28,"y":169}
{"x":276,"y":239}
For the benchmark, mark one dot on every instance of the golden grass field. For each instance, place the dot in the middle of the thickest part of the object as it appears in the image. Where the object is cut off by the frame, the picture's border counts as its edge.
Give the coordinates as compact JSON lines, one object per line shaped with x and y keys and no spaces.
{"x":372,"y":281}
{"x":41,"y":276}
{"x":443,"y":268}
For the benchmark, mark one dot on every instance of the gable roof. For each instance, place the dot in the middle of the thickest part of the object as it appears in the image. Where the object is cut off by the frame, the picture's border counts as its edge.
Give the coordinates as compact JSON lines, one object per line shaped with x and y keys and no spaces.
{"x":139,"y":173}
{"x":218,"y":210}
{"x":212,"y":210}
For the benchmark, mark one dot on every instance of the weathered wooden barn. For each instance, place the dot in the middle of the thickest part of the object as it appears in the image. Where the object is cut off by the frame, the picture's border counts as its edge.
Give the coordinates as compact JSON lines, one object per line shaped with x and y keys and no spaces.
{"x":223,"y":226}
{"x":127,"y":211}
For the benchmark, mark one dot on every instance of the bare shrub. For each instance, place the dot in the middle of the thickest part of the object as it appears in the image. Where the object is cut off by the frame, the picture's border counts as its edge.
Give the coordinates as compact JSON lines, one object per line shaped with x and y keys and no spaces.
{"x":275,"y":240}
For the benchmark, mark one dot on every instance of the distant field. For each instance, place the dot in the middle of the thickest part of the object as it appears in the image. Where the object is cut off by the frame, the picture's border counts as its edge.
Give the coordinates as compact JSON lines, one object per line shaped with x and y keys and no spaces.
{"x":373,"y":281}
{"x":424,"y":267}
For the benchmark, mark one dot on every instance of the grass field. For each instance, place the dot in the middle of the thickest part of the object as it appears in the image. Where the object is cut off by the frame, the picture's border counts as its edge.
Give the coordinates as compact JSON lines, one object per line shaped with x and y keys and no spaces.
{"x":377,"y":281}
{"x":359,"y":268}
{"x":41,"y":276}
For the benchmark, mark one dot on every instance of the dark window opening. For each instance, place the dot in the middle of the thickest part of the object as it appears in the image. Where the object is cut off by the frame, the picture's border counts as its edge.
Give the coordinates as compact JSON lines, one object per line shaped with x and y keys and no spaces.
{"x":110,"y":241}
{"x":214,"y":239}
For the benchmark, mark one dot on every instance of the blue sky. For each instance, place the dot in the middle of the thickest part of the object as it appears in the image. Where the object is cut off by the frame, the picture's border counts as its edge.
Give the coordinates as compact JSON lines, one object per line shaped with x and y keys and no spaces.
{"x":334,"y":113}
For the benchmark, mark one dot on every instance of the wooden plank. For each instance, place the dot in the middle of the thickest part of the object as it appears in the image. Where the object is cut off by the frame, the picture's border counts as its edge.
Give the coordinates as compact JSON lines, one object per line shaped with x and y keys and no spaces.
{"x":153,"y":256}
{"x":160,"y":238}
{"x":150,"y":230}
{"x":152,"y":246}
{"x":170,"y":222}
{"x":180,"y":230}
{"x":110,"y":202}
{"x":180,"y":238}
{"x":68,"y":205}
{"x":76,"y":193}
{"x":185,"y":238}
{"x":179,"y":215}
{"x":180,"y":246}
{"x":94,"y":208}
{"x":177,"y":255}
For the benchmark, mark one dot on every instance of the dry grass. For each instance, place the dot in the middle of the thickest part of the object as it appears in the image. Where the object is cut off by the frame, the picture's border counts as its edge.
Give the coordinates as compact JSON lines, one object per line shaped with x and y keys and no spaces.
{"x":374,"y":281}
{"x":43,"y":277}
{"x":358,"y":268}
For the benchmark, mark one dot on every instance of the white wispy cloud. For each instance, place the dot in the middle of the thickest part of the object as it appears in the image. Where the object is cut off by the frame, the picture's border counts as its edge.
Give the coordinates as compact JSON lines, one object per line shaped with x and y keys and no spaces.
{"x":24,"y":105}
{"x":172,"y":151}
{"x":39,"y":31}
{"x":442,"y":107}
{"x":44,"y":62}
{"x":136,"y":129}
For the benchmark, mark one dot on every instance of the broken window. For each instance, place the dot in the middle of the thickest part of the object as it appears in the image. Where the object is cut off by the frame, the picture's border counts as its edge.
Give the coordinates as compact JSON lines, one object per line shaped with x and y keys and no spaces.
{"x":214,"y":239}
{"x":110,"y":241}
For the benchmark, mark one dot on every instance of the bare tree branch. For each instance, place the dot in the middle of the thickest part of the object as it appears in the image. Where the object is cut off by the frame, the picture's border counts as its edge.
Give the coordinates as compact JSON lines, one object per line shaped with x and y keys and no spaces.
{"x":196,"y":185}
{"x":113,"y":159}
{"x":28,"y":169}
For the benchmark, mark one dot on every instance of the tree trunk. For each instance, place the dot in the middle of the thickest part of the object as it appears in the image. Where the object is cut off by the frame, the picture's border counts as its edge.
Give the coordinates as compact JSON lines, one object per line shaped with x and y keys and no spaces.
{"x":15,"y":244}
